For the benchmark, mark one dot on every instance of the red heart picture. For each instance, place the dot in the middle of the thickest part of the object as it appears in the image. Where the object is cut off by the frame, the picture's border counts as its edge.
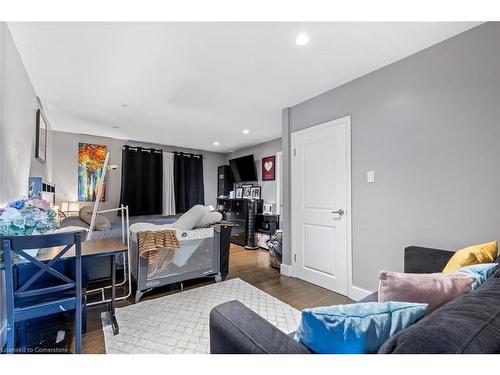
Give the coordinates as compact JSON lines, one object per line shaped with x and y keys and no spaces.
{"x":268,"y":168}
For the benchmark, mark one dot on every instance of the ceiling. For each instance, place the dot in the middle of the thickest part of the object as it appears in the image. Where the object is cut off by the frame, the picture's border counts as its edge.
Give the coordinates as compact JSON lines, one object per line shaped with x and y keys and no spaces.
{"x":193,"y":84}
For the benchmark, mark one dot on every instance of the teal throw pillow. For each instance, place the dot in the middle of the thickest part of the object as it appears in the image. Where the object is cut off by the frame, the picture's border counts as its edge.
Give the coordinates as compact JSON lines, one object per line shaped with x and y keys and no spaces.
{"x":355,"y":328}
{"x":480,"y":271}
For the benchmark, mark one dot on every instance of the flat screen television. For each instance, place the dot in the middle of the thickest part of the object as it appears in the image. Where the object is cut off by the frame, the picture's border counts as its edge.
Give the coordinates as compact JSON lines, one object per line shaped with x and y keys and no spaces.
{"x":243,"y":169}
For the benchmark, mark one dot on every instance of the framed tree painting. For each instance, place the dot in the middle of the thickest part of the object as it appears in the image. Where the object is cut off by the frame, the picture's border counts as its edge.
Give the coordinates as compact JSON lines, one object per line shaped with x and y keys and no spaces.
{"x":269,"y":168}
{"x":90,"y":163}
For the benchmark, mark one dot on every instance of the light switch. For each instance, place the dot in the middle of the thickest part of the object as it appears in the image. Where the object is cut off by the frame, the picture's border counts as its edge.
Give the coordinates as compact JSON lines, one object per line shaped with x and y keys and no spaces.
{"x":370,"y":177}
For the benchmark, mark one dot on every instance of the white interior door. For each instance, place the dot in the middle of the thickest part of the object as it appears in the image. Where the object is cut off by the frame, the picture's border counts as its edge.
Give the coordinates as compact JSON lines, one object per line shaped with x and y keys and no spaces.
{"x":321,"y":204}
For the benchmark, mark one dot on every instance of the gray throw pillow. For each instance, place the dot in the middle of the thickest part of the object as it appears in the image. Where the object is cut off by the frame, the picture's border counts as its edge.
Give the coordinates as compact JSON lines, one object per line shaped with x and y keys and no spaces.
{"x":101,"y":223}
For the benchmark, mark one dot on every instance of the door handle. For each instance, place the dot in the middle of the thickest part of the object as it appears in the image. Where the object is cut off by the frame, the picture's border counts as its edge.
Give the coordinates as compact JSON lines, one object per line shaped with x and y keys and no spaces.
{"x":340,"y":211}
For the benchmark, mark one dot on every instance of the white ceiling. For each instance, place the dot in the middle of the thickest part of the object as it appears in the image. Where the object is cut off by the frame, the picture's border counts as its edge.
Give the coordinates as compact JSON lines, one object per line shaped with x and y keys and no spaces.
{"x":190,"y":84}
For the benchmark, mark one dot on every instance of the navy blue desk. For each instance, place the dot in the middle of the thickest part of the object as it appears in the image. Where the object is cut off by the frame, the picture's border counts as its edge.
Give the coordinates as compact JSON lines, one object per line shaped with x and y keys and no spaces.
{"x":90,"y":250}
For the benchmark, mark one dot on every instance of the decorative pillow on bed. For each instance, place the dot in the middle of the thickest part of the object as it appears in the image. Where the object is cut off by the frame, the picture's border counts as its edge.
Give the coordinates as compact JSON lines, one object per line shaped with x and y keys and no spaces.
{"x":101,"y":223}
{"x":73,"y":221}
{"x":435,"y":289}
{"x":210,"y":218}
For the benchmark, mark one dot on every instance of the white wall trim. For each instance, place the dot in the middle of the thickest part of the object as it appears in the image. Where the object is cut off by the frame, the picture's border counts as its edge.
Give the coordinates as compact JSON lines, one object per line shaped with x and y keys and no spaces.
{"x":357,"y":294}
{"x":3,"y":335}
{"x":287,"y":270}
{"x":279,"y":184}
{"x":351,"y":289}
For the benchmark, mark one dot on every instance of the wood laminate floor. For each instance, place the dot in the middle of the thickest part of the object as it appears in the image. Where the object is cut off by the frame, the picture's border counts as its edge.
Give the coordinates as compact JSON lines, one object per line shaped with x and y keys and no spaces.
{"x":250,"y":266}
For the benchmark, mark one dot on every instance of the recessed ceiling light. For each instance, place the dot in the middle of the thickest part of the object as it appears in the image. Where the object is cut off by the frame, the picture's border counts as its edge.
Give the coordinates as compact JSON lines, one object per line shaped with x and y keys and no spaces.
{"x":115,"y":127}
{"x":302,"y":39}
{"x":216,"y":143}
{"x":246,"y":131}
{"x":126,"y":105}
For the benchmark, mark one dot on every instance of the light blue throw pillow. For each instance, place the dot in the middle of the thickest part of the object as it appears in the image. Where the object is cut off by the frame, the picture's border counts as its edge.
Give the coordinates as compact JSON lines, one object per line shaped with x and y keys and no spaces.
{"x":356,"y":328}
{"x":480,"y":271}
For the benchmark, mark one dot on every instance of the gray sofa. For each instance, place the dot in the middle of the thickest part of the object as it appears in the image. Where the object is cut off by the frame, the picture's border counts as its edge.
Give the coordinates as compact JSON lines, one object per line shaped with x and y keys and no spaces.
{"x":468,"y":324}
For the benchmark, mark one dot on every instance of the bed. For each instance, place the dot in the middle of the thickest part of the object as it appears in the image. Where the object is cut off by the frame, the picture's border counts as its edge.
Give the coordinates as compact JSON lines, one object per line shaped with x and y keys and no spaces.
{"x":116,"y":224}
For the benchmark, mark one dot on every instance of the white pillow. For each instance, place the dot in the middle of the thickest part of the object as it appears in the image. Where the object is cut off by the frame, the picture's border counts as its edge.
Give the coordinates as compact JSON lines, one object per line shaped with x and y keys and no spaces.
{"x":191,"y":218}
{"x":209,"y":219}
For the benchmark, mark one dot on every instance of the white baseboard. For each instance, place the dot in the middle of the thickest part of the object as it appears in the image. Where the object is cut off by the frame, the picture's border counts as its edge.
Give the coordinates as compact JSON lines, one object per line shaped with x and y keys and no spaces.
{"x":354,"y":292}
{"x":357,"y":294}
{"x":286,"y":270}
{"x":3,"y":335}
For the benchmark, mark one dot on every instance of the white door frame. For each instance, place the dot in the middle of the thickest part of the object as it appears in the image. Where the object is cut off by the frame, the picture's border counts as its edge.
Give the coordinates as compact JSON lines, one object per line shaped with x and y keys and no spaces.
{"x":351,"y":290}
{"x":279,"y":187}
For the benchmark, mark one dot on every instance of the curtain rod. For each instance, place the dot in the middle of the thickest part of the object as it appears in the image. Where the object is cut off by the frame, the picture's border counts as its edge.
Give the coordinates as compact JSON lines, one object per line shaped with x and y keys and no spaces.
{"x":142,"y":149}
{"x":187,"y":154}
{"x":160,"y":151}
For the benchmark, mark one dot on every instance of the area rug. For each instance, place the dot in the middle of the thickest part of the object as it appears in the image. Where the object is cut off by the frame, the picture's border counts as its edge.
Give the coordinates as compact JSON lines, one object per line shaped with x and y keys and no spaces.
{"x":178,"y":323}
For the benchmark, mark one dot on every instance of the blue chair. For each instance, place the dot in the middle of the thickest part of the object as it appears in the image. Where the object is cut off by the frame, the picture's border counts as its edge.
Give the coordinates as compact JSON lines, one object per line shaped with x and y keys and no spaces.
{"x":46,"y":291}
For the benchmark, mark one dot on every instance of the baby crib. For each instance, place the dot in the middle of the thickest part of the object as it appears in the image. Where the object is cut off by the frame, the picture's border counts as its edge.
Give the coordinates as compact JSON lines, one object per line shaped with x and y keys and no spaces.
{"x":197,"y":255}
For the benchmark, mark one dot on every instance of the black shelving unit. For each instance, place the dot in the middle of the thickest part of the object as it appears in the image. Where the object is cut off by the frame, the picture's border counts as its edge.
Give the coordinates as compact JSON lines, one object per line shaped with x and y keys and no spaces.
{"x":235,"y":211}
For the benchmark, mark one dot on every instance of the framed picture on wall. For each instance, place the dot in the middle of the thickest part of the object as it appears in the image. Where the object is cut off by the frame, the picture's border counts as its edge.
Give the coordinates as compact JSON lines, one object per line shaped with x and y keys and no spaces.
{"x":239,"y":193}
{"x":255,"y":192}
{"x":269,"y":168}
{"x":247,"y":190}
{"x":91,"y":160}
{"x":41,"y":137}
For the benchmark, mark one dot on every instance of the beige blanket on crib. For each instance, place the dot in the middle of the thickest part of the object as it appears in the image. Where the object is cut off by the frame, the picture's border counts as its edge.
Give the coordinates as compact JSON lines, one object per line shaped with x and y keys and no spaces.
{"x":158,"y":247}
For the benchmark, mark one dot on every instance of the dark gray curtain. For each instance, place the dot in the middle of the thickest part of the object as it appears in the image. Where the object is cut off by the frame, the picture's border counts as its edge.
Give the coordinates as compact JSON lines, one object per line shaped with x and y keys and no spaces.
{"x":188,"y":181}
{"x":142,"y":180}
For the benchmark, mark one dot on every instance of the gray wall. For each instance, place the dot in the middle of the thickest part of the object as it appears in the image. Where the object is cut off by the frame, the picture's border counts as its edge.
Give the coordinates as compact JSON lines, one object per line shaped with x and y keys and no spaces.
{"x":65,"y":166}
{"x":261,"y":151}
{"x":17,"y":142}
{"x":429,"y":126}
{"x":18,"y":105}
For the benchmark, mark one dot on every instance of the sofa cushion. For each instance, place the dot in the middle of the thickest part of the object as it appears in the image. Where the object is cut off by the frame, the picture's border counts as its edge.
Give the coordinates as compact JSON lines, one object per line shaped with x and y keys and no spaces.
{"x":468,"y":324}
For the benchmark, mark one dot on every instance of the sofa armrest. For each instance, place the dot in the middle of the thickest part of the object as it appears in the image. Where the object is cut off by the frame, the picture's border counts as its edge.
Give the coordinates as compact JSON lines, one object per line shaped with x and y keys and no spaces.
{"x":235,"y":329}
{"x":426,"y":260}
